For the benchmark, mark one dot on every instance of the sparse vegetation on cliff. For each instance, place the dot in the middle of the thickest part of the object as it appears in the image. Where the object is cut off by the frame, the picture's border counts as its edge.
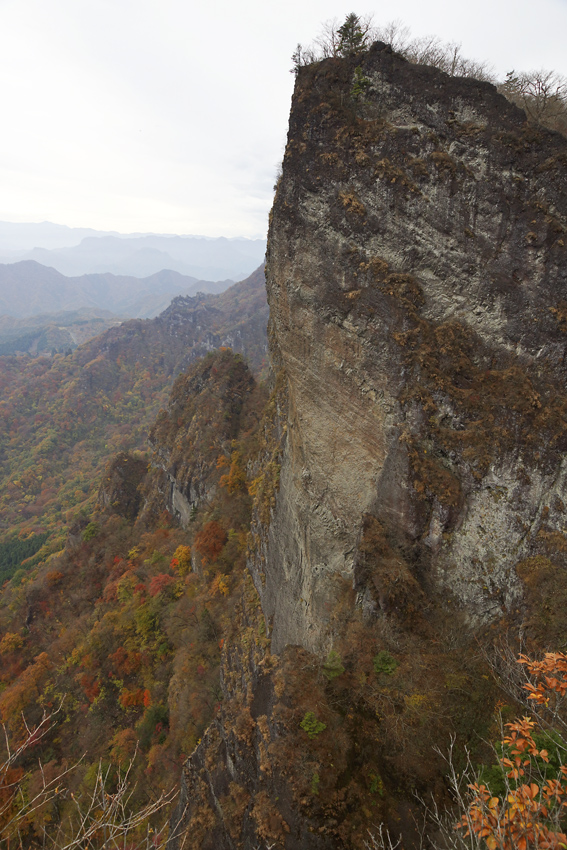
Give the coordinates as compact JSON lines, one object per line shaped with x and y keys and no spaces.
{"x":541,"y":93}
{"x":356,"y":34}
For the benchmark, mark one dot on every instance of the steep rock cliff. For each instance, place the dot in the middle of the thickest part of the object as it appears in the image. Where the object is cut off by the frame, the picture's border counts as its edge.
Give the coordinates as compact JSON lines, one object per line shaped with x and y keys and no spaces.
{"x":120,"y":489}
{"x":412,"y":487}
{"x":417,"y":276}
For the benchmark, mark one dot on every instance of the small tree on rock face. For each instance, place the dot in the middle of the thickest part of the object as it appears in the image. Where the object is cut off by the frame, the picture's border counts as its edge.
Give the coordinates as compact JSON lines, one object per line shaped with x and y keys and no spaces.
{"x":360,"y":85}
{"x":354,"y":36}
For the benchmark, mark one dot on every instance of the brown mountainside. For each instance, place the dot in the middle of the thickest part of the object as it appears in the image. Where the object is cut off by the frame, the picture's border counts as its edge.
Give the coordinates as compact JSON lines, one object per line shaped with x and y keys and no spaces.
{"x":120,"y":633}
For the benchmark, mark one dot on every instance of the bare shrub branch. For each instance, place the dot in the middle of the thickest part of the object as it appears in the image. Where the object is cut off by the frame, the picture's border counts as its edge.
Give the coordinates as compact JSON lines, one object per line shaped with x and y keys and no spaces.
{"x":101,"y":818}
{"x":426,"y":50}
{"x":541,"y":94}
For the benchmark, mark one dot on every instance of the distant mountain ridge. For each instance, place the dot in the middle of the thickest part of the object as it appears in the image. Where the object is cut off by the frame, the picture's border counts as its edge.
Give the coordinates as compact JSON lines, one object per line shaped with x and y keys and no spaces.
{"x":53,"y":333}
{"x":74,"y":252}
{"x":28,"y":288}
{"x":19,"y":236}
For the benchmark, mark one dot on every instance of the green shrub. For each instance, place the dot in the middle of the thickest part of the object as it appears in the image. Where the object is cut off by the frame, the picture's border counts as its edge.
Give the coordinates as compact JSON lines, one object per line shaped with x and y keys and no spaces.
{"x":153,"y":726}
{"x":311,"y":725}
{"x":90,"y":531}
{"x":359,"y":85}
{"x":333,"y":666}
{"x":384,"y":662}
{"x":376,"y":784}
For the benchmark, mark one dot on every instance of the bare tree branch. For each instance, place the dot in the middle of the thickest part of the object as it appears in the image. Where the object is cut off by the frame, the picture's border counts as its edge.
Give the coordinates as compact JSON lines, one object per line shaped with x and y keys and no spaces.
{"x":100,"y":819}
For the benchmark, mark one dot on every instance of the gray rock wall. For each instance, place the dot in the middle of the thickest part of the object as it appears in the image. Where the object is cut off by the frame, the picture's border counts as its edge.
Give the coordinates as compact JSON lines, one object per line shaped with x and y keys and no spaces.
{"x":427,"y":210}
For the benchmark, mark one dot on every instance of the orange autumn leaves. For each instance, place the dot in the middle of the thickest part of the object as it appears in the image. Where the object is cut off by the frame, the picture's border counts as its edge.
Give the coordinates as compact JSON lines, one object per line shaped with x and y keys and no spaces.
{"x":135,"y":697}
{"x":235,"y":479}
{"x":26,"y":689}
{"x":532,"y":811}
{"x":525,"y":817}
{"x":210,"y":541}
{"x":552,"y":673}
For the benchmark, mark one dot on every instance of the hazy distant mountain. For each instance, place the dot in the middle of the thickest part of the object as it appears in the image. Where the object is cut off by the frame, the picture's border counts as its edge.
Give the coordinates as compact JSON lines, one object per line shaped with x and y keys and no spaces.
{"x":28,"y":288}
{"x":53,"y":332}
{"x":75,"y":251}
{"x":18,"y":237}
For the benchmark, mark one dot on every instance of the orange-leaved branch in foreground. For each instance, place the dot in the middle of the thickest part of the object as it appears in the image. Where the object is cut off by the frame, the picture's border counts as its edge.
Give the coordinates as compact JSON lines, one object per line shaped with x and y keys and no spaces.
{"x":531,"y":812}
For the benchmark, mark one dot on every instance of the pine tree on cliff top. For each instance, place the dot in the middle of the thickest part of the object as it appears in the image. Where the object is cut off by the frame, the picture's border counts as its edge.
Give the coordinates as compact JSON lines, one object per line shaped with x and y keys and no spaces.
{"x":351,"y":36}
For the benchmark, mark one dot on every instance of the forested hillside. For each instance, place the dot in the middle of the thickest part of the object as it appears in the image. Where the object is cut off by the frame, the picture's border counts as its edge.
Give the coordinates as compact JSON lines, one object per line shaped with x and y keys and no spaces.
{"x":62,"y":418}
{"x":118,"y":636}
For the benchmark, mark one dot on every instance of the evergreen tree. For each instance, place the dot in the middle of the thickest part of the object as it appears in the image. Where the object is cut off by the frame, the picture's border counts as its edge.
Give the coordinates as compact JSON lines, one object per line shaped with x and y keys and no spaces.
{"x":351,"y":36}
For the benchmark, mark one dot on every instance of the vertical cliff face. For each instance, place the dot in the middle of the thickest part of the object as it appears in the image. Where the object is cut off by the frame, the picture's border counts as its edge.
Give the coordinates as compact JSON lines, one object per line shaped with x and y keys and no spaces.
{"x":417,"y":277}
{"x":412,"y":487}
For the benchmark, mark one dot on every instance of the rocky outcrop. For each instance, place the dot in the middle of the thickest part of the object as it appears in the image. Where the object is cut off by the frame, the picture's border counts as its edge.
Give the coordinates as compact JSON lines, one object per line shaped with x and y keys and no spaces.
{"x":417,"y":277}
{"x":412,"y":490}
{"x":120,"y":489}
{"x":204,"y":416}
{"x":237,"y":319}
{"x":189,"y":328}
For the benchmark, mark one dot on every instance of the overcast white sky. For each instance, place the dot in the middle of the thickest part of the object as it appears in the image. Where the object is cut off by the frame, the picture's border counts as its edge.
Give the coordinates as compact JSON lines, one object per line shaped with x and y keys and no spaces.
{"x":171,"y":116}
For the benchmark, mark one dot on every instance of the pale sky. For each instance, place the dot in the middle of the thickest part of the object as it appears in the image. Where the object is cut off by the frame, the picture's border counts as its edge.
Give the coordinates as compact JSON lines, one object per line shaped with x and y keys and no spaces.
{"x":171,"y":116}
